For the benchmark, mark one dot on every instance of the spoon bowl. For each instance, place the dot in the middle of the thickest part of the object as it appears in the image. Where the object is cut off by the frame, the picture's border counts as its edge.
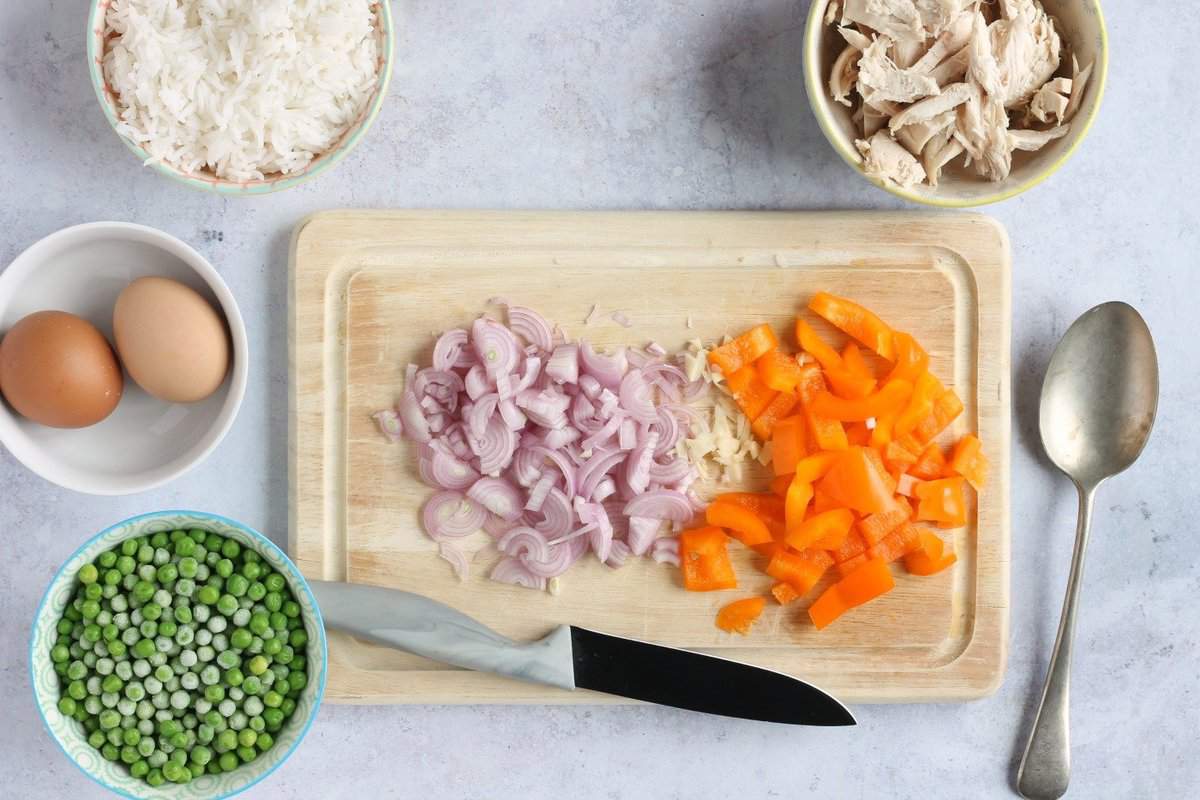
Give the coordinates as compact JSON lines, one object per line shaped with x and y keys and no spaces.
{"x":1100,"y":394}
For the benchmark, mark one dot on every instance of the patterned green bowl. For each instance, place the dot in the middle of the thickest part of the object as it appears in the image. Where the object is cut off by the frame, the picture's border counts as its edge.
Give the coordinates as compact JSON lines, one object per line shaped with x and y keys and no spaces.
{"x":69,"y":733}
{"x":277,"y":183}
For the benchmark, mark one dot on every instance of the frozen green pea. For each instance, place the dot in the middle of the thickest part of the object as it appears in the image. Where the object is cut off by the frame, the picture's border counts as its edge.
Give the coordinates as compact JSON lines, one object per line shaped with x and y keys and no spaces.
{"x":145,"y":710}
{"x":161,"y":556}
{"x":217,"y":624}
{"x":204,"y":652}
{"x":104,"y":666}
{"x":227,"y":659}
{"x":141,"y":667}
{"x":123,"y":670}
{"x":210,"y":675}
{"x":235,"y":694}
{"x":189,"y":681}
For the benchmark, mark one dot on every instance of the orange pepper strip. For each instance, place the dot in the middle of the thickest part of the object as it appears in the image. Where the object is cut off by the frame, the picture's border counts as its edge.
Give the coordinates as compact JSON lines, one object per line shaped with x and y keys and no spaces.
{"x":832,"y":524}
{"x":856,"y":482}
{"x":897,"y":544}
{"x":779,"y":408}
{"x":784,"y":593}
{"x":827,"y":434}
{"x":855,"y":321}
{"x":881,"y":434}
{"x":855,"y":545}
{"x":750,"y":393}
{"x":742,"y":523}
{"x":911,"y":359}
{"x":812,"y":468}
{"x":767,"y":507}
{"x":907,"y":485}
{"x":929,"y":558}
{"x":779,"y":371}
{"x":822,"y":502}
{"x":897,"y":458}
{"x":858,"y":434}
{"x":930,"y":465}
{"x":788,"y":444}
{"x":942,"y":501}
{"x":811,"y":343}
{"x":847,"y":384}
{"x":780,"y":484}
{"x":704,"y":560}
{"x":969,"y":462}
{"x":888,"y":400}
{"x":925,"y":391}
{"x":799,"y":494}
{"x":744,"y":350}
{"x":879,"y":525}
{"x":849,"y":565}
{"x":800,"y":572}
{"x":876,"y":459}
{"x":866,"y":583}
{"x":945,"y":410}
{"x":854,"y":362}
{"x":739,"y":616}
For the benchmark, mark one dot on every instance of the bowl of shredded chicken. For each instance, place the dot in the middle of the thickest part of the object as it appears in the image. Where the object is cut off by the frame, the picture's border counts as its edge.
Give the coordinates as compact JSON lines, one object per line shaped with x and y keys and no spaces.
{"x":240,"y":96}
{"x":955,"y":102}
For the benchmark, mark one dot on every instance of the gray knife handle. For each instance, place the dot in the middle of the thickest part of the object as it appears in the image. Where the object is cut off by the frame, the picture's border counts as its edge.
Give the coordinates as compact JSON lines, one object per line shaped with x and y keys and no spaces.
{"x":436,"y":631}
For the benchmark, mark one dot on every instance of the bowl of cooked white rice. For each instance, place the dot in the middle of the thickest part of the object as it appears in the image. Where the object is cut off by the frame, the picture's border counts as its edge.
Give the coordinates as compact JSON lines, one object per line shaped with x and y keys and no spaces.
{"x":240,"y":97}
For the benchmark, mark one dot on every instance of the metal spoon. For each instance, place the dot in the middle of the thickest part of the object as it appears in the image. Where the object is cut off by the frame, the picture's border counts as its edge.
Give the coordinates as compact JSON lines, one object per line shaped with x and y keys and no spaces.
{"x":1098,"y":403}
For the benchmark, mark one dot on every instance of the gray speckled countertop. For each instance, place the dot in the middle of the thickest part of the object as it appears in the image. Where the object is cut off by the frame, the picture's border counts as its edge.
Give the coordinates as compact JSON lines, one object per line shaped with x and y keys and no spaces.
{"x":666,"y":104}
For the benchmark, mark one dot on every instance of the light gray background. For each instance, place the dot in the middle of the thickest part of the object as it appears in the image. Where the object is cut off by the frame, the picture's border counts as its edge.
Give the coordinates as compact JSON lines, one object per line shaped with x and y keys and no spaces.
{"x":621,"y":104}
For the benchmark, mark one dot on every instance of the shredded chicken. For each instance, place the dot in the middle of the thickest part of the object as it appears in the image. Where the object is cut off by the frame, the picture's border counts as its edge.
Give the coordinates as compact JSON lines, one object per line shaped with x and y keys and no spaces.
{"x":929,"y":82}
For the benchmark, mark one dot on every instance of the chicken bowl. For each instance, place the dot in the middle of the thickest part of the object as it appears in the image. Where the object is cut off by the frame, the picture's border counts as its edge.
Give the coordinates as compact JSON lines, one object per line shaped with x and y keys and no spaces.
{"x":955,"y":103}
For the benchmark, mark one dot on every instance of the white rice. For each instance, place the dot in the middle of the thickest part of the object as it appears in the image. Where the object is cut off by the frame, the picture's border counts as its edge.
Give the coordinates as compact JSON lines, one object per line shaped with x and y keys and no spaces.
{"x":241,"y":88}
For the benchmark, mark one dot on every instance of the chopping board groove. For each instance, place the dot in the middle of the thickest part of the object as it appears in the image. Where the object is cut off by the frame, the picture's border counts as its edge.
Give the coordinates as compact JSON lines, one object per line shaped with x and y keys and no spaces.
{"x":369,"y":291}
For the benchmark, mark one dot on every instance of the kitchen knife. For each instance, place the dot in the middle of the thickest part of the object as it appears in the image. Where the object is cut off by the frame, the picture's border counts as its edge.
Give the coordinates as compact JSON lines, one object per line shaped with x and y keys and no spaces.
{"x":577,"y":658}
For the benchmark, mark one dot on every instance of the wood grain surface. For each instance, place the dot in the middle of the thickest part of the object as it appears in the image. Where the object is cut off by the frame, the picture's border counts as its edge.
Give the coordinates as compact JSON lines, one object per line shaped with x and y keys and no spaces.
{"x":370,"y":289}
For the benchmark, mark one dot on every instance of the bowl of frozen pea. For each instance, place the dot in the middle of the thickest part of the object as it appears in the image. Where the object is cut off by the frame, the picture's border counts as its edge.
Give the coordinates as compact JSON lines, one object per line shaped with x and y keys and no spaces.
{"x":178,"y":655}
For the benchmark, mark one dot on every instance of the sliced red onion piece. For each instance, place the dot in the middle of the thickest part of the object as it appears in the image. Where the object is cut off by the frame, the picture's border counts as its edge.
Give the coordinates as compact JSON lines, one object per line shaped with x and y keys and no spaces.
{"x":604,"y":489}
{"x":451,"y":351}
{"x":480,"y":413}
{"x":618,"y":555}
{"x":660,"y":504}
{"x":636,"y":397}
{"x":449,"y":514}
{"x":627,"y":434}
{"x":430,"y":406}
{"x":524,"y":543}
{"x":637,"y":358}
{"x":504,"y":386}
{"x":642,"y":533}
{"x":600,"y":537}
{"x":666,"y":425}
{"x":673,"y":470}
{"x":389,"y":424}
{"x":669,"y":371}
{"x":437,"y":422}
{"x":441,"y":385}
{"x":668,"y":390}
{"x":530,"y":326}
{"x":594,"y":470}
{"x":416,"y":427}
{"x":589,"y":386}
{"x":512,"y":415}
{"x":454,"y":442}
{"x":537,"y":495}
{"x":601,"y":436}
{"x":533,"y":371}
{"x":563,"y":365}
{"x":559,"y":438}
{"x":608,"y":403}
{"x":457,"y":559}
{"x":693,"y":390}
{"x":495,"y":346}
{"x":498,"y":496}
{"x":622,"y":320}
{"x":556,"y":515}
{"x":512,"y":571}
{"x":496,"y":447}
{"x":425,"y":470}
{"x":656,"y":349}
{"x":546,"y":407}
{"x":608,"y":370}
{"x":451,"y":473}
{"x":564,"y":466}
{"x":685,"y":483}
{"x":477,"y":383}
{"x":666,"y":551}
{"x":583,"y":414}
{"x":496,"y":526}
{"x":527,"y":466}
{"x":637,"y":468}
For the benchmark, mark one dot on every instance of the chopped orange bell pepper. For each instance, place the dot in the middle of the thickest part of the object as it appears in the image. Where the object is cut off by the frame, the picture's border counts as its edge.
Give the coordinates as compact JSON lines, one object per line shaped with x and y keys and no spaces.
{"x":945,"y":410}
{"x":780,"y":484}
{"x":942,"y":501}
{"x":833,"y":524}
{"x":858,"y":434}
{"x":779,"y":371}
{"x":855,"y":545}
{"x":704,"y":560}
{"x":897,"y":458}
{"x":798,"y":570}
{"x":920,"y":404}
{"x":930,"y":465}
{"x":881,"y":434}
{"x":856,"y":482}
{"x":929,"y":557}
{"x":795,"y":503}
{"x":897,"y":544}
{"x":968,"y":461}
{"x":767,"y":507}
{"x":779,"y":408}
{"x":822,"y":502}
{"x":749,"y":392}
{"x":855,"y":321}
{"x":911,"y":359}
{"x":879,"y":525}
{"x":888,"y":400}
{"x":812,"y":468}
{"x":784,"y":593}
{"x":744,"y":350}
{"x":866,"y":583}
{"x":788,"y":444}
{"x":907,"y":485}
{"x":852,"y":359}
{"x":739,"y":616}
{"x":742,"y":523}
{"x":816,"y":347}
{"x":851,"y":564}
{"x":826,"y":434}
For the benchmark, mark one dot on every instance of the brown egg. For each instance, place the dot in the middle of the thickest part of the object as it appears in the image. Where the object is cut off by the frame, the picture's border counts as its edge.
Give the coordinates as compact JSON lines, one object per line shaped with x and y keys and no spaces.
{"x":56,"y":369}
{"x":172,"y":342}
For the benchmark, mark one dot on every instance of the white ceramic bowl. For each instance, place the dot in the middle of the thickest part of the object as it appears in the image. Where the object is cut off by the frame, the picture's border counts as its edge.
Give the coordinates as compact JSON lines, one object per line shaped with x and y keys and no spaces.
{"x":145,"y":442}
{"x":1081,"y":25}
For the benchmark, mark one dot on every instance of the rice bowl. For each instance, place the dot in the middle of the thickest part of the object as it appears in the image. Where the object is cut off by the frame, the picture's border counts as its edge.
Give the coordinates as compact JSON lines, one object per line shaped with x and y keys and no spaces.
{"x":240,"y":96}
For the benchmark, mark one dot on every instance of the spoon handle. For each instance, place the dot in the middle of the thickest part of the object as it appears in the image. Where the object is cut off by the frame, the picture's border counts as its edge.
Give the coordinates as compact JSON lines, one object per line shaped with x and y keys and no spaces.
{"x":1046,"y":766}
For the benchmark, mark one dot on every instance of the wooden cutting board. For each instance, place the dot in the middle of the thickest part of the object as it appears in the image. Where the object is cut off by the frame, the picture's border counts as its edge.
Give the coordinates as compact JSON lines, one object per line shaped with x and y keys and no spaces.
{"x":369,"y":291}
